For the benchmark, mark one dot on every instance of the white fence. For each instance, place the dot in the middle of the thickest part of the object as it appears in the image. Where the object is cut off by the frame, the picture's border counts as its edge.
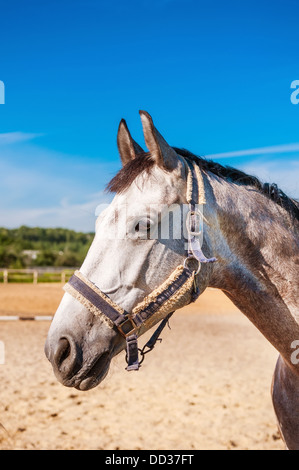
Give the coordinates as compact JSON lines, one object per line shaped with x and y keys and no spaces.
{"x":35,"y":275}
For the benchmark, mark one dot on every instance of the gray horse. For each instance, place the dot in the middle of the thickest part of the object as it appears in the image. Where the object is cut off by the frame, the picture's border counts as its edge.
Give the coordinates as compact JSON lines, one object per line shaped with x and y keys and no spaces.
{"x":251,"y":228}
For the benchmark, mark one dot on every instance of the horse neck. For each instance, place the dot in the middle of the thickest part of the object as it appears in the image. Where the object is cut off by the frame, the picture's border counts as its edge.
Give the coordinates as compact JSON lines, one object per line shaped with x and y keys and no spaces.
{"x":257,"y":247}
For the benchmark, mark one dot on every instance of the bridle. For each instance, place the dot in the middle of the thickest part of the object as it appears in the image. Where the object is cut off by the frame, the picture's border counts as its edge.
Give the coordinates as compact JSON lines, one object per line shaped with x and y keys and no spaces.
{"x":177,"y":291}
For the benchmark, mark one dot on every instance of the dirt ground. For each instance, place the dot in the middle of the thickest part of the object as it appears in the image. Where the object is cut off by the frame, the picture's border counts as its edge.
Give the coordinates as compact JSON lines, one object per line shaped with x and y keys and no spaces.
{"x":207,"y":386}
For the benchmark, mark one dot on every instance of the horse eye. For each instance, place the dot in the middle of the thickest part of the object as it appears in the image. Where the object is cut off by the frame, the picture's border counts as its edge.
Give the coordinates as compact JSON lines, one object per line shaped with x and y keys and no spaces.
{"x":143,"y":225}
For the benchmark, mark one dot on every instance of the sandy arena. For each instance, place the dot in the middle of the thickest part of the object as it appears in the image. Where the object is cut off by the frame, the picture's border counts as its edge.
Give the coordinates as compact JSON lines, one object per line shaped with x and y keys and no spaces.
{"x":207,"y":386}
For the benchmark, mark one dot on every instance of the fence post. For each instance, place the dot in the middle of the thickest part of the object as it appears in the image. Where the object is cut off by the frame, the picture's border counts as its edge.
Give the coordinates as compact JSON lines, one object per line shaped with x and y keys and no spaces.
{"x":63,"y":277}
{"x":35,"y":277}
{"x":5,"y":276}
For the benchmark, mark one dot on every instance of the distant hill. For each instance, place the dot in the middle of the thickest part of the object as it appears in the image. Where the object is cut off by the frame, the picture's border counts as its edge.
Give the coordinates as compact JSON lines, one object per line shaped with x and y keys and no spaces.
{"x":35,"y":246}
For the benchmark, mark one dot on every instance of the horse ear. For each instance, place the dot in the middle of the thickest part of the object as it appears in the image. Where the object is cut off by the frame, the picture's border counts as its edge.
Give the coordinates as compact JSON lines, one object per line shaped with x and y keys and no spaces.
{"x":164,"y":155}
{"x":127,"y":147}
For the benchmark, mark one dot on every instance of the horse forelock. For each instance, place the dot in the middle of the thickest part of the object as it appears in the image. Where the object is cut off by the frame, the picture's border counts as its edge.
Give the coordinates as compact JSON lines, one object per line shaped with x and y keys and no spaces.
{"x":125,"y":177}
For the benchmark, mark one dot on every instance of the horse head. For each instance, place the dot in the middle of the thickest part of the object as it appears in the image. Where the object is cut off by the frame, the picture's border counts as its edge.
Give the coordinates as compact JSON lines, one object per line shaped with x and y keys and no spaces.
{"x":129,"y":257}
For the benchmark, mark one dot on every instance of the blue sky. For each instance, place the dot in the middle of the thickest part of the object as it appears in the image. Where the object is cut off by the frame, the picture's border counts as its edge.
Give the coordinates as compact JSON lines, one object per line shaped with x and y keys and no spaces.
{"x":215,"y":76}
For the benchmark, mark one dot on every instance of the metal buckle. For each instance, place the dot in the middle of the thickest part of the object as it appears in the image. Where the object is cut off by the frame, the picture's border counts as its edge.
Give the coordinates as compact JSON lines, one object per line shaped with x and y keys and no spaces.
{"x":191,"y":258}
{"x":127,"y":327}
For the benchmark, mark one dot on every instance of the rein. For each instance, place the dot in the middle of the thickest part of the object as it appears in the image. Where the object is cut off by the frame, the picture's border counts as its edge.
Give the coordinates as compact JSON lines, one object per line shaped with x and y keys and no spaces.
{"x":177,"y":291}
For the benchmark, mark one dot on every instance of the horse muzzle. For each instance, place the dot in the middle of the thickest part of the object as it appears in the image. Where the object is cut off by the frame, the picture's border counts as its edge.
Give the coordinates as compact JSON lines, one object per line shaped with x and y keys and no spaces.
{"x":79,"y":347}
{"x":69,"y":367}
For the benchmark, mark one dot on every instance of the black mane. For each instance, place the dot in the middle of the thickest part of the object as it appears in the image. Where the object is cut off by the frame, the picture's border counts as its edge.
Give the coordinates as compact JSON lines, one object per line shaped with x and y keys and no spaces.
{"x":144,"y":162}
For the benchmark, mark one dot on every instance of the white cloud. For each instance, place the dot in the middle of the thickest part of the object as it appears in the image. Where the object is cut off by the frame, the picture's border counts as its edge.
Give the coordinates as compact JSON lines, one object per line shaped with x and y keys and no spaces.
{"x":42,"y":187}
{"x":273,"y":164}
{"x":283,"y":172}
{"x":274,"y":149}
{"x":10,"y":138}
{"x":76,"y":216}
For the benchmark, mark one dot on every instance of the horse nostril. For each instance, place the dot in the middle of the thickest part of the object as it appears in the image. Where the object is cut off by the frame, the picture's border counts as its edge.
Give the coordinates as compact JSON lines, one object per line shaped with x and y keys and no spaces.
{"x":62,"y":352}
{"x":66,"y":357}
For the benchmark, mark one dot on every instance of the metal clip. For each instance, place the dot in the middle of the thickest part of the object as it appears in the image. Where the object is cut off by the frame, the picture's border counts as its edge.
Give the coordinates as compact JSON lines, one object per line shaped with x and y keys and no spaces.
{"x":191,"y":224}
